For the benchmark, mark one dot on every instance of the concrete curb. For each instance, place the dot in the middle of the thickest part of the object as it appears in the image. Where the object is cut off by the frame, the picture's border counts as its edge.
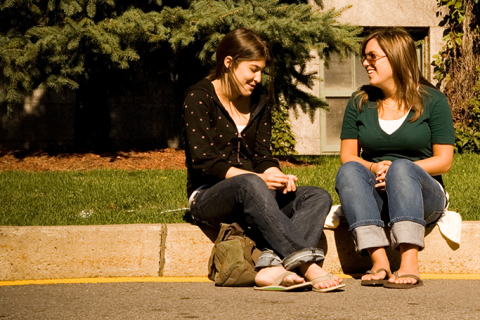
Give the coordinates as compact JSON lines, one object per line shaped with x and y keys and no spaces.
{"x":182,"y":250}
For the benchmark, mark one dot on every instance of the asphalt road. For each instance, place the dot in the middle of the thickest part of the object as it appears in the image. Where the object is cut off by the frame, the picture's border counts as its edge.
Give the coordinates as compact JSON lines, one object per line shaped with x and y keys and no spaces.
{"x":437,"y":299}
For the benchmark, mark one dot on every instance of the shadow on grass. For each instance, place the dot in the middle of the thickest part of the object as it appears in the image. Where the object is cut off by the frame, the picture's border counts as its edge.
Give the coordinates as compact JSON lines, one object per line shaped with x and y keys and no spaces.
{"x":305,"y":160}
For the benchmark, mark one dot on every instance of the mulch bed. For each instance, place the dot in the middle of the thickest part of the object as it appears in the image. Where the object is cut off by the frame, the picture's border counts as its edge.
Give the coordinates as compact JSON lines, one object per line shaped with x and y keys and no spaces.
{"x":130,"y":160}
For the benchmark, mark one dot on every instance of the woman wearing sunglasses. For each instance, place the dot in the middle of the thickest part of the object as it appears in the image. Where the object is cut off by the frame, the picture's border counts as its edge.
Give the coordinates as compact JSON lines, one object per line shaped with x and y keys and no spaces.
{"x":397,"y":141}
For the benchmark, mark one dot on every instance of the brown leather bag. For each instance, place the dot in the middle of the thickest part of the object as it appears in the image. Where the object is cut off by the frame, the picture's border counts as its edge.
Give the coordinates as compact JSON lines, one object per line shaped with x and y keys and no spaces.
{"x":233,"y":258}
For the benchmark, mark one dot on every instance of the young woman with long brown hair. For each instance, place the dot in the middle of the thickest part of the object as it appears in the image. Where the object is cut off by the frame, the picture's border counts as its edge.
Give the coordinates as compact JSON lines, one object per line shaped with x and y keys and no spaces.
{"x":397,"y":141}
{"x":233,"y":177}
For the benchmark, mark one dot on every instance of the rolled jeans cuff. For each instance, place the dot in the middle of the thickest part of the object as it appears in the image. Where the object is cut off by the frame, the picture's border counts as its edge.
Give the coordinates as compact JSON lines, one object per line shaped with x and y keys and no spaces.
{"x":268,"y":258}
{"x":407,"y":232}
{"x":369,"y":237}
{"x":306,"y":255}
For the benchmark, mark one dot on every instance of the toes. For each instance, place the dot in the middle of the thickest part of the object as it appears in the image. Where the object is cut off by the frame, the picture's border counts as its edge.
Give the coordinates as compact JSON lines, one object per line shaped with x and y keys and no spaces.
{"x":402,"y":280}
{"x":293,"y":279}
{"x":326,"y":284}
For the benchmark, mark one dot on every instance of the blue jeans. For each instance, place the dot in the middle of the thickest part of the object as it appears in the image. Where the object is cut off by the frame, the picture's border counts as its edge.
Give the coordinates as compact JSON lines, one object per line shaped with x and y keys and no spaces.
{"x":288,"y":226}
{"x":412,"y":200}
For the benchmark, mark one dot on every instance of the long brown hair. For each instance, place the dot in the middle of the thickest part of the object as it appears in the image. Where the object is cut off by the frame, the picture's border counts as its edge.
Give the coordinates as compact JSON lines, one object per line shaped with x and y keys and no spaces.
{"x":400,"y":50}
{"x":242,"y":44}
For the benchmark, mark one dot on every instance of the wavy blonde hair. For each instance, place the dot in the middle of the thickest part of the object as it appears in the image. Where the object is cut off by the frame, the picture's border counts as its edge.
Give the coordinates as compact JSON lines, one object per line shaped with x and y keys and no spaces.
{"x":400,"y":50}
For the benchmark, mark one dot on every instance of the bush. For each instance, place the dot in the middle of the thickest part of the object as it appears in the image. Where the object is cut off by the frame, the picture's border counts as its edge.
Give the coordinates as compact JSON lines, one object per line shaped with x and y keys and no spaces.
{"x":283,"y":141}
{"x":457,"y":70}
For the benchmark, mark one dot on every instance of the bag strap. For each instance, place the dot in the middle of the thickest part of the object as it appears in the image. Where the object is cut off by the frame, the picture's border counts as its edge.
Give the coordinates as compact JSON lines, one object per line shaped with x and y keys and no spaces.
{"x":211,"y":261}
{"x":223,"y":234}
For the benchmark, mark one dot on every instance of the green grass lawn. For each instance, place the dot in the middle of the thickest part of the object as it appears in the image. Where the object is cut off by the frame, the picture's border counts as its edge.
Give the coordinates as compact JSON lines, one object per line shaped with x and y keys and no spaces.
{"x":158,"y":196}
{"x":93,"y":197}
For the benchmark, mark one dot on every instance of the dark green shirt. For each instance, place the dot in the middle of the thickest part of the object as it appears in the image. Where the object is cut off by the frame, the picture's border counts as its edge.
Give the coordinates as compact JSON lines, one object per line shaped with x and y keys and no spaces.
{"x":412,"y":141}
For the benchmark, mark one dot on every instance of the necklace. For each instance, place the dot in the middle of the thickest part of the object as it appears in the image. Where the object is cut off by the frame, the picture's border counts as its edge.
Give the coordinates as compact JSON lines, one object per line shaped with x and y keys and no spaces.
{"x":394,"y":109}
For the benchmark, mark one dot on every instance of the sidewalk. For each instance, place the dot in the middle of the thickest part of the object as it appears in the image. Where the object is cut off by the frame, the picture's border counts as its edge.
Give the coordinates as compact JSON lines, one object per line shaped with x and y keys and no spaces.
{"x":182,"y":250}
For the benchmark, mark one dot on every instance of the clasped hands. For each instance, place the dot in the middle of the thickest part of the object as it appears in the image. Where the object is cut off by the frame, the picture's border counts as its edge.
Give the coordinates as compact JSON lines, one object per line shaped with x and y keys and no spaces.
{"x":380,"y":170}
{"x":277,"y":180}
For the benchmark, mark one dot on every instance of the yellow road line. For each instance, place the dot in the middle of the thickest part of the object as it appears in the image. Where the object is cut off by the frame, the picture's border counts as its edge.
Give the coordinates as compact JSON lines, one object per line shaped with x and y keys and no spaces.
{"x":105,"y":280}
{"x":200,"y":279}
{"x":428,"y":276}
{"x":451,"y":276}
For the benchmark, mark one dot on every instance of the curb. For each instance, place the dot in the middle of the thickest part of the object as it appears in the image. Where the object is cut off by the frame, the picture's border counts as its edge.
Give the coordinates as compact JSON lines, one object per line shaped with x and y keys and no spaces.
{"x":182,"y":250}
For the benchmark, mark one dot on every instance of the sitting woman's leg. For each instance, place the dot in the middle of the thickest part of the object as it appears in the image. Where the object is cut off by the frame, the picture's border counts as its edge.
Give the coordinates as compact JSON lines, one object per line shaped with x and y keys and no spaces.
{"x":362,"y":206}
{"x":224,"y":203}
{"x":290,"y":237}
{"x":247,"y":198}
{"x":414,"y":199}
{"x":307,"y":209}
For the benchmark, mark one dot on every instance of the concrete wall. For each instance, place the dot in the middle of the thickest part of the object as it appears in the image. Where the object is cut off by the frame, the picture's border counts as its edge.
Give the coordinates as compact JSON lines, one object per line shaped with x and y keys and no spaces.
{"x":182,"y":250}
{"x":380,"y":13}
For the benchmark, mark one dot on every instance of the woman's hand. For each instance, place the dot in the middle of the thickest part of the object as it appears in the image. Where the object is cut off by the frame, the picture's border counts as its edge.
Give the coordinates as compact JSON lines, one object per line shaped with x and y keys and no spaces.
{"x":290,"y":186}
{"x":277,"y":180}
{"x":380,"y":170}
{"x":274,"y":180}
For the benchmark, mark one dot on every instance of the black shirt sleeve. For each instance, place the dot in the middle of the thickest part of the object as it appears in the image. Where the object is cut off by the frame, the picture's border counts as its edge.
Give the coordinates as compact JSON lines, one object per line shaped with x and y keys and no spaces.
{"x":198,"y":132}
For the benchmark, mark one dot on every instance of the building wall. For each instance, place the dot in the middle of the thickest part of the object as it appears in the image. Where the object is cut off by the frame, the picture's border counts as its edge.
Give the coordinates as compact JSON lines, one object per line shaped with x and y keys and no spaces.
{"x":372,"y":13}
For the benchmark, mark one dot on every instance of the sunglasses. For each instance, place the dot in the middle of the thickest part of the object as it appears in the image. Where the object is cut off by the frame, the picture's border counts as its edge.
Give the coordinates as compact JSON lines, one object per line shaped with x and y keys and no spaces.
{"x":371,"y":58}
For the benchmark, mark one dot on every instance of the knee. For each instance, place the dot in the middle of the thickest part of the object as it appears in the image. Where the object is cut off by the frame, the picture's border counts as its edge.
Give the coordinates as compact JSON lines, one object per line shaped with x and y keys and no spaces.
{"x":348,"y":172}
{"x":400,"y":168}
{"x":316,"y":195}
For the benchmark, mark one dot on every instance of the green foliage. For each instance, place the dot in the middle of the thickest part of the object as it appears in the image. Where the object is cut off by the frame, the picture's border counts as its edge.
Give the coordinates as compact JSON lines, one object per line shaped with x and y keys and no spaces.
{"x":467,"y":136}
{"x":283,"y":141}
{"x":457,"y":70}
{"x":64,"y":43}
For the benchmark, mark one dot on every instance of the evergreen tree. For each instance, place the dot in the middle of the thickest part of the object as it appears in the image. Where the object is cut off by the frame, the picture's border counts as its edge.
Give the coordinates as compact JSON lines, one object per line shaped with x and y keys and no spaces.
{"x":98,"y":47}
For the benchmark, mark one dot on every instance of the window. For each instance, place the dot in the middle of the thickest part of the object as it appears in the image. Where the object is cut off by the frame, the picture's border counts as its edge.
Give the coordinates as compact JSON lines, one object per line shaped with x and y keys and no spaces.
{"x":341,"y":79}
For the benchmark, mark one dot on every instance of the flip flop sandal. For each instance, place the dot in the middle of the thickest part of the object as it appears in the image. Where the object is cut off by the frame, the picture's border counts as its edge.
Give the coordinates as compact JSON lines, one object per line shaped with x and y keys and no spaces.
{"x":328,"y":276}
{"x":277,"y":284}
{"x":377,"y":282}
{"x":390,"y":285}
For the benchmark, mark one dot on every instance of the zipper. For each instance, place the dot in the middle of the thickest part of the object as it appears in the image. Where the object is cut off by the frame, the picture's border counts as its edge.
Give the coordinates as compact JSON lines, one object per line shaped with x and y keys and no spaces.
{"x":238,"y":146}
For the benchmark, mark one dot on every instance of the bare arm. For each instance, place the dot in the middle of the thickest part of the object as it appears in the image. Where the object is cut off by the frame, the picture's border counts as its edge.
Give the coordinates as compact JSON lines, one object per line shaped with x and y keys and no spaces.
{"x":349,"y":151}
{"x":440,"y":162}
{"x":273,"y":177}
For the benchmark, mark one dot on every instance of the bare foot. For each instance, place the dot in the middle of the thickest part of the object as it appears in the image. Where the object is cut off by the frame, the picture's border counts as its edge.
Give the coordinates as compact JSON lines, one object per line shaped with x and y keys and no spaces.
{"x":402,"y":280}
{"x":408,"y":264}
{"x":380,"y":260}
{"x":377,"y":276}
{"x":267,"y":276}
{"x":312,"y":271}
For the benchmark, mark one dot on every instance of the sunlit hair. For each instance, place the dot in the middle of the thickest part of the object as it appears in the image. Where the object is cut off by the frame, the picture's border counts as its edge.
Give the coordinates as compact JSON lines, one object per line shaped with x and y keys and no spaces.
{"x":400,"y":50}
{"x":242,"y":44}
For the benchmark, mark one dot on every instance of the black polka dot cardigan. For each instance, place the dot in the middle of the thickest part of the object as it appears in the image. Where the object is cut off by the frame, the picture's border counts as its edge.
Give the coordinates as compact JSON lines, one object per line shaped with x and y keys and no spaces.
{"x":212,"y":142}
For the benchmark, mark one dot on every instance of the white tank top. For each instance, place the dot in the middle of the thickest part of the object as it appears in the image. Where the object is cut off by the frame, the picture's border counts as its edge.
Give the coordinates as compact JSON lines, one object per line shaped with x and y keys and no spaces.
{"x":390,"y":126}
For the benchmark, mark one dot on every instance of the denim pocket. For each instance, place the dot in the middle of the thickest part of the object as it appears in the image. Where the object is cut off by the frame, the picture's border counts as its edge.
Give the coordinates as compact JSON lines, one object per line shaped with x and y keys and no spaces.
{"x":433,"y":218}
